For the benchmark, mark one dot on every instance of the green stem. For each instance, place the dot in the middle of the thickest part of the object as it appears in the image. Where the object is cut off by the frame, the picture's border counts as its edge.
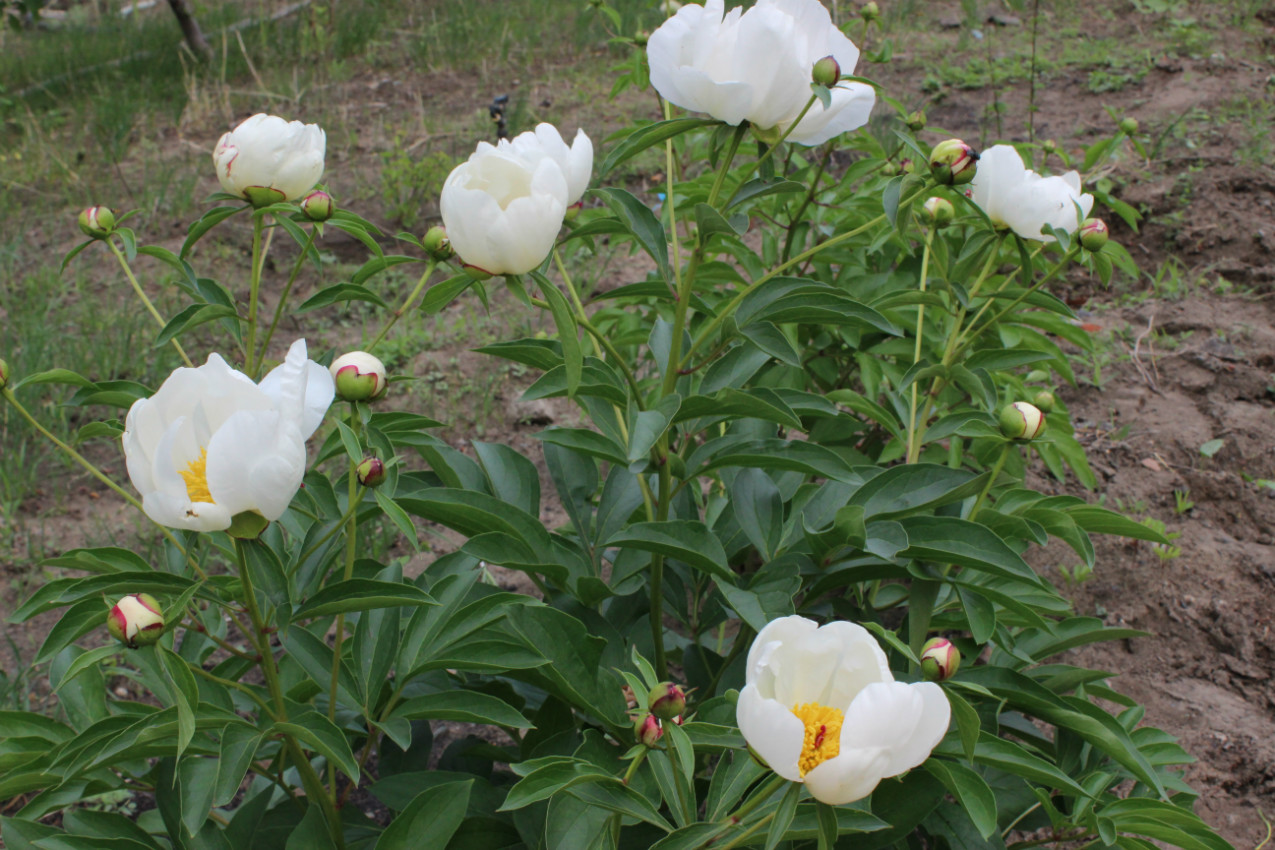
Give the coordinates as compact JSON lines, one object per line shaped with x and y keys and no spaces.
{"x":407,"y":305}
{"x":351,"y":547}
{"x":807,"y":201}
{"x":761,"y":795}
{"x":973,"y":332}
{"x":8,"y":396}
{"x":748,"y":833}
{"x":720,"y":180}
{"x":920,"y":335}
{"x":600,"y":340}
{"x":254,"y":290}
{"x":717,"y":320}
{"x":996,"y":471}
{"x":770,"y":151}
{"x":283,"y":297}
{"x":634,"y":764}
{"x":239,"y":686}
{"x":328,"y":535}
{"x":137,"y":287}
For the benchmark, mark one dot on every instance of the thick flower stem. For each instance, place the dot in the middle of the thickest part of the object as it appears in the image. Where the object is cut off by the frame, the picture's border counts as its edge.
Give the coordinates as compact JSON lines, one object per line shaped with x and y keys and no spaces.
{"x":973,"y":331}
{"x":254,"y":290}
{"x":7,"y":395}
{"x":137,"y":287}
{"x":351,"y":547}
{"x":616,"y":818}
{"x":283,"y":297}
{"x":600,"y":340}
{"x":720,"y":179}
{"x":996,"y":471}
{"x":726,"y":312}
{"x":920,"y":335}
{"x":407,"y":305}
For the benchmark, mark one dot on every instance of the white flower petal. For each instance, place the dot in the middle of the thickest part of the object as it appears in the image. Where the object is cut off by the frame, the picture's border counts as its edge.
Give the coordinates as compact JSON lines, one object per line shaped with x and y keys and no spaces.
{"x":300,"y":388}
{"x":267,"y":151}
{"x":850,"y":776}
{"x":772,"y":730}
{"x":256,"y":461}
{"x":905,"y":721}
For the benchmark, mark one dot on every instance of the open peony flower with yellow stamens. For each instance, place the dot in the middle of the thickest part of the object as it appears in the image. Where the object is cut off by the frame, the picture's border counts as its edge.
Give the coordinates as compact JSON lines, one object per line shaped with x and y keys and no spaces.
{"x":210,"y":444}
{"x":821,"y":707}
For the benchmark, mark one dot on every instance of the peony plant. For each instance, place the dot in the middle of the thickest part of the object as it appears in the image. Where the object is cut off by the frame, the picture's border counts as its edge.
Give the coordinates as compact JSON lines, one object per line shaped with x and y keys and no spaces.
{"x":793,"y":496}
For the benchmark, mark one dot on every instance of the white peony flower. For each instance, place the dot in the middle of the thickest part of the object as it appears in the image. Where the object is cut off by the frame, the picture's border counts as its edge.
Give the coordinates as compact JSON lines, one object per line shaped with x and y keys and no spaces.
{"x":267,"y":159}
{"x":755,"y":66}
{"x":503,"y":207}
{"x":821,"y":707}
{"x":211,"y":444}
{"x":1015,"y":197}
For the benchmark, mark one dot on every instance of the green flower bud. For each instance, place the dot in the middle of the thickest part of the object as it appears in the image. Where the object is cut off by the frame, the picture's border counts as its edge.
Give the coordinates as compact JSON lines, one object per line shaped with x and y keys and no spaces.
{"x":318,"y":206}
{"x":1093,"y":234}
{"x":916,"y":121}
{"x":939,"y":211}
{"x":437,"y":244}
{"x":1022,"y":421}
{"x":1049,"y":146}
{"x":647,"y":730}
{"x":371,"y":472}
{"x":641,"y":37}
{"x":4,"y":374}
{"x":97,"y":222}
{"x":826,"y":72}
{"x":907,"y":166}
{"x":940,"y":659}
{"x":666,"y":701}
{"x":1129,"y":126}
{"x":359,"y":376}
{"x":1044,"y":400}
{"x":890,"y":169}
{"x":870,"y":12}
{"x":136,"y":620}
{"x":953,"y":162}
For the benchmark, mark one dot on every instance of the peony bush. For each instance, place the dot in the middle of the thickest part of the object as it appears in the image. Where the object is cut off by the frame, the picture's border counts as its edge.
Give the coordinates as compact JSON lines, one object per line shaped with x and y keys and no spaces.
{"x":792,"y":604}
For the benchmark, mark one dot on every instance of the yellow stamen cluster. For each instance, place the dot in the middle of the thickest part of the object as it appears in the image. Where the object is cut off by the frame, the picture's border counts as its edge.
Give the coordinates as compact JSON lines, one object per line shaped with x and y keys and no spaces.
{"x":823,"y":734}
{"x":196,"y":478}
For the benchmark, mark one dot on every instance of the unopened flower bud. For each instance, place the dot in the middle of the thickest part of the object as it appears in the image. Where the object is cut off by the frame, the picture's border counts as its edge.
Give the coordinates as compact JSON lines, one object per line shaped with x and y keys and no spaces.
{"x":1022,"y":421}
{"x":97,"y":222}
{"x":1049,"y":146}
{"x":940,"y":659}
{"x":1129,"y":126}
{"x":1093,"y":234}
{"x":371,"y":472}
{"x":4,"y":374}
{"x":890,"y":169}
{"x":641,"y":37}
{"x":437,"y":244}
{"x":1044,"y":400}
{"x":648,"y":730}
{"x":953,"y":163}
{"x":939,"y":211}
{"x":136,"y":620}
{"x":359,"y":376}
{"x":318,"y":206}
{"x":870,"y":12}
{"x":573,"y":211}
{"x":666,"y":701}
{"x":827,"y":72}
{"x":907,"y":166}
{"x":916,"y":121}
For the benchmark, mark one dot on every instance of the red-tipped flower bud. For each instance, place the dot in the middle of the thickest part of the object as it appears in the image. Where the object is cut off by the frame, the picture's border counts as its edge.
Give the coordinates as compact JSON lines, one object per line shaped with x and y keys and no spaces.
{"x":1022,"y":421}
{"x":318,"y":206}
{"x":437,"y":244}
{"x":870,"y":12}
{"x":371,"y":472}
{"x":953,"y":163}
{"x":667,"y":701}
{"x":97,"y":222}
{"x":1093,"y":234}
{"x":359,"y":376}
{"x":916,"y":121}
{"x":827,"y":72}
{"x":940,"y":659}
{"x":939,"y":211}
{"x":1044,"y":400}
{"x":647,"y":730}
{"x":136,"y":620}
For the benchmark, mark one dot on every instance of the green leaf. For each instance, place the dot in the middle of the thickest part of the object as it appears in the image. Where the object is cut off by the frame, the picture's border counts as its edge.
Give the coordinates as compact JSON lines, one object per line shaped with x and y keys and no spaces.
{"x":757,"y":403}
{"x":53,"y":376}
{"x":185,"y":694}
{"x":644,"y":137}
{"x":568,"y":332}
{"x":688,"y":541}
{"x":207,"y":222}
{"x":197,"y":778}
{"x":238,"y":747}
{"x":760,"y":187}
{"x":641,"y":223}
{"x":948,"y":540}
{"x":970,"y":790}
{"x":1102,"y":521}
{"x":341,"y":293}
{"x":360,"y":594}
{"x":784,"y":814}
{"x":650,"y":425}
{"x":445,"y":292}
{"x":1012,"y":758}
{"x":915,"y":487}
{"x":513,"y":478}
{"x":462,"y":706}
{"x":968,"y":725}
{"x":311,"y":833}
{"x":759,"y":508}
{"x":586,"y":441}
{"x":322,"y":736}
{"x":430,"y":820}
{"x":192,"y":317}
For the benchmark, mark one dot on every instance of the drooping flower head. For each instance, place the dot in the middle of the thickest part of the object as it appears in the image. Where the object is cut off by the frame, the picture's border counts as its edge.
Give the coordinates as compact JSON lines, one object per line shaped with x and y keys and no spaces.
{"x":755,"y":66}
{"x":503,"y":207}
{"x":821,"y":707}
{"x":1015,"y":197}
{"x":267,"y":159}
{"x":210,"y":444}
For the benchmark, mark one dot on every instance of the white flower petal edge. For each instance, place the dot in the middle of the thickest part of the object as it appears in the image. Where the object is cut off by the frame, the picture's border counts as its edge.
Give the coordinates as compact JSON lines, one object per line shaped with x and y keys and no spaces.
{"x":706,"y":60}
{"x":887,"y":727}
{"x":210,"y":444}
{"x":1015,"y":197}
